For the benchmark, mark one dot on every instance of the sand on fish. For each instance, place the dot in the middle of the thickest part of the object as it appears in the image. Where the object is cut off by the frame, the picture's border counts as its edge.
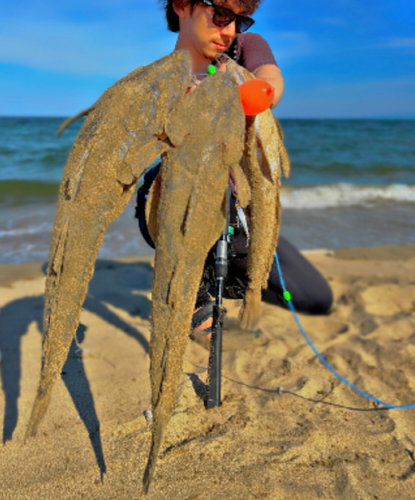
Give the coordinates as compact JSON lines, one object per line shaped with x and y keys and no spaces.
{"x":287,"y":428}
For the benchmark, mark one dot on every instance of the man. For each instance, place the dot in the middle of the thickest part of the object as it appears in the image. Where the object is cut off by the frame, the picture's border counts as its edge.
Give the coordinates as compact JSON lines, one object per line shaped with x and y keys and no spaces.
{"x":197,"y":21}
{"x":208,"y":30}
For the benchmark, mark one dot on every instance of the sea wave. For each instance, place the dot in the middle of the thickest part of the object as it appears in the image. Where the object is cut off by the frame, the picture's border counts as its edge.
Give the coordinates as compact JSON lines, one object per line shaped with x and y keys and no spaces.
{"x":23,"y":231}
{"x":337,"y":195}
{"x":357,"y":167}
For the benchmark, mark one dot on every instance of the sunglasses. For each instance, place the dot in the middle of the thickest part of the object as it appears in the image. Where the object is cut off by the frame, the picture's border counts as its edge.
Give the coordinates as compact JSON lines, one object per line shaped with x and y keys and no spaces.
{"x":223,"y":17}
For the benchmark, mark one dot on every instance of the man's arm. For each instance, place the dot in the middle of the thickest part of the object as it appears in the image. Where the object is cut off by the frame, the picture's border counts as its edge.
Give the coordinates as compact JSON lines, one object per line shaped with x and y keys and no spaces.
{"x":271,"y":74}
{"x":255,"y":54}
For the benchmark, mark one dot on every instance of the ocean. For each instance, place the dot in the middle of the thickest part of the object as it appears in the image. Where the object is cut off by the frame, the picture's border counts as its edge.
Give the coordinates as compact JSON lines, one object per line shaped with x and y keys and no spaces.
{"x":352,"y":183}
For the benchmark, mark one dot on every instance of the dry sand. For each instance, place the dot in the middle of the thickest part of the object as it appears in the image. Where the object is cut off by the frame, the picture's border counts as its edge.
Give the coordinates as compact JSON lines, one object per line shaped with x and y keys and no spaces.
{"x":315,"y":439}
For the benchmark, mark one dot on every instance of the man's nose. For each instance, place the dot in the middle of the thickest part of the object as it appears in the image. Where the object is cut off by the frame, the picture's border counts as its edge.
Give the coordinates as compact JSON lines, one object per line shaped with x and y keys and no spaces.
{"x":229,"y":30}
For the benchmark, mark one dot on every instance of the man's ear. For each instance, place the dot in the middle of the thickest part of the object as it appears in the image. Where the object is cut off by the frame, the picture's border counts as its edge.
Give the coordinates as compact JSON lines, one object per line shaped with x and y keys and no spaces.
{"x":180,"y":8}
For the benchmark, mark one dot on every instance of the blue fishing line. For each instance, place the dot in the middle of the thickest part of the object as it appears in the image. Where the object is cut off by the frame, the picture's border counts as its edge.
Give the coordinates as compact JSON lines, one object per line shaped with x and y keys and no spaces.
{"x":287,"y":296}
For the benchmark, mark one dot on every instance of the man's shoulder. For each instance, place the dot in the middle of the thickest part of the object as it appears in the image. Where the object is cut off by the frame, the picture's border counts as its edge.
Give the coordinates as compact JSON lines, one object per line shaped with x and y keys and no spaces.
{"x":247,"y":43}
{"x":250,"y":37}
{"x":251,"y":42}
{"x":252,"y":51}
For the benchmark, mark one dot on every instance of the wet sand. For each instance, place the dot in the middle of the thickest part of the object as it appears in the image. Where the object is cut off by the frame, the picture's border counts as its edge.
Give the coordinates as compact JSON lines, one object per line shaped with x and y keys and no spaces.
{"x":287,"y":428}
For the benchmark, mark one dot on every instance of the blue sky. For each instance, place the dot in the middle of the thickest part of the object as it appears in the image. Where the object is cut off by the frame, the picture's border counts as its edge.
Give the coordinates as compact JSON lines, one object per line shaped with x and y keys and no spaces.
{"x":339,"y":58}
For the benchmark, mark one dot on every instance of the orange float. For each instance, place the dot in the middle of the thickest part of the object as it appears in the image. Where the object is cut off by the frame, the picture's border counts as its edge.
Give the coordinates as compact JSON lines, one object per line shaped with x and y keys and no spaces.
{"x":256,"y":96}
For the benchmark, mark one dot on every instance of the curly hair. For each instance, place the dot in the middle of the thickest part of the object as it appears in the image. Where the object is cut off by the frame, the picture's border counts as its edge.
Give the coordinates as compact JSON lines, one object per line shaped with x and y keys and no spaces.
{"x":249,"y":7}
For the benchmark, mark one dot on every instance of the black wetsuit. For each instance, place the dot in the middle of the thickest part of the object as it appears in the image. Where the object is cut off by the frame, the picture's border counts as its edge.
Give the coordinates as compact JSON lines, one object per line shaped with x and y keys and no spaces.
{"x":311,"y":294}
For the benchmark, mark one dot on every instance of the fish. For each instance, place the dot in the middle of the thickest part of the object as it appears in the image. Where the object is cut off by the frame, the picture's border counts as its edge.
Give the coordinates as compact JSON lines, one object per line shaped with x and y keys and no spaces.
{"x":201,"y":136}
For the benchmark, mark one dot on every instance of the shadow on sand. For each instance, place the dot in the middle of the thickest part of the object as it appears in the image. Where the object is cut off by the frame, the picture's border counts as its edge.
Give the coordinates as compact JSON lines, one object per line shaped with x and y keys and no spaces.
{"x":120,"y":289}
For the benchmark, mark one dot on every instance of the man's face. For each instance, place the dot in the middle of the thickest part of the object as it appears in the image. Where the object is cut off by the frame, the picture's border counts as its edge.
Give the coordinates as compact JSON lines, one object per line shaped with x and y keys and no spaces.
{"x":200,"y":35}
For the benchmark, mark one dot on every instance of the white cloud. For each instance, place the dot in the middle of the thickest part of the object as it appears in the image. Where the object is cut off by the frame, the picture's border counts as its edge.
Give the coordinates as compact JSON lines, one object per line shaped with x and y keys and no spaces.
{"x":95,"y":46}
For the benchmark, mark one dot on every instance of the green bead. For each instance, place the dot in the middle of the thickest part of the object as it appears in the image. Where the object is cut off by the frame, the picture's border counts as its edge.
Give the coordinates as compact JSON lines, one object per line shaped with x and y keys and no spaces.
{"x":287,"y":295}
{"x":231,"y":230}
{"x":212,"y":70}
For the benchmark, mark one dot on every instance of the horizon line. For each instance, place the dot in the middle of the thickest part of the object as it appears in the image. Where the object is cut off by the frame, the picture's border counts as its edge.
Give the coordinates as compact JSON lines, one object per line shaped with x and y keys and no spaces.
{"x":384,"y":117}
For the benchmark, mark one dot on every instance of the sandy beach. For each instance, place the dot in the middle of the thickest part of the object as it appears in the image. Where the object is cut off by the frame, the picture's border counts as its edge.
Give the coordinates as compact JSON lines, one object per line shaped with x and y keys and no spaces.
{"x":287,"y":428}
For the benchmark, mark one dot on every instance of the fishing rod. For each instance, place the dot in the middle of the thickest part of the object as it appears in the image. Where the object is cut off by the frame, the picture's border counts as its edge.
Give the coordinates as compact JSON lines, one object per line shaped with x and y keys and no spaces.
{"x":213,"y":393}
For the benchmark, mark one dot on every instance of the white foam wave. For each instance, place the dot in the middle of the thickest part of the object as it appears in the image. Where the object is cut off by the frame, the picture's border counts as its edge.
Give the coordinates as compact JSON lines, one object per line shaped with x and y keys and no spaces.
{"x":338,"y":195}
{"x":42,"y":228}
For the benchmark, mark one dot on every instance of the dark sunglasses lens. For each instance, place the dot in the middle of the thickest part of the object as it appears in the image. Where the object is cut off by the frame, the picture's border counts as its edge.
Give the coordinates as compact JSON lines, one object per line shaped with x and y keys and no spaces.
{"x":243,"y":24}
{"x":222,"y":16}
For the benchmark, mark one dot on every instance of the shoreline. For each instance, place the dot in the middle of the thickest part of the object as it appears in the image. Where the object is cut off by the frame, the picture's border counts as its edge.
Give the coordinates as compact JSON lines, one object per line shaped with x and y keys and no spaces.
{"x":10,"y":273}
